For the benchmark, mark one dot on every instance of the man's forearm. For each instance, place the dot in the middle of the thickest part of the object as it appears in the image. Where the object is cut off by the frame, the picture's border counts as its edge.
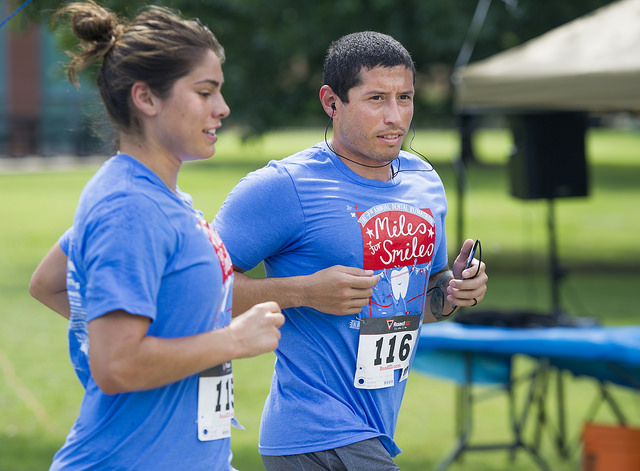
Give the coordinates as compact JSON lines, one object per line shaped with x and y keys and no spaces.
{"x":337,"y":290}
{"x":248,"y":291}
{"x":437,"y":306}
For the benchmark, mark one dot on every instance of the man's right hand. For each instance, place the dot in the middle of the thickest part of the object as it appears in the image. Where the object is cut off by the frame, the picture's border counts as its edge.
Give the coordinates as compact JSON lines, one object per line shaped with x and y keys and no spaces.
{"x":339,"y":290}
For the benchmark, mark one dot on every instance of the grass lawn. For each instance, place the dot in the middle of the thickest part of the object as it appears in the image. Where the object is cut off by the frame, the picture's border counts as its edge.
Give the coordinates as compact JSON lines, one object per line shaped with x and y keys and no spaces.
{"x":598,"y":250}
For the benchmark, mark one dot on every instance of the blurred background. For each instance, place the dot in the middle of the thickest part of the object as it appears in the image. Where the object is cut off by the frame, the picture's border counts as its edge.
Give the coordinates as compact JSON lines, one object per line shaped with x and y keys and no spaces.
{"x":528,"y":109}
{"x":275,"y":52}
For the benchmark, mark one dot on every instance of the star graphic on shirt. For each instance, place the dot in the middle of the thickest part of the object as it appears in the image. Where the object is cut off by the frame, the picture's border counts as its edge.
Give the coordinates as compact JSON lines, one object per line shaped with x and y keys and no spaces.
{"x":431,"y":232}
{"x":369,"y":232}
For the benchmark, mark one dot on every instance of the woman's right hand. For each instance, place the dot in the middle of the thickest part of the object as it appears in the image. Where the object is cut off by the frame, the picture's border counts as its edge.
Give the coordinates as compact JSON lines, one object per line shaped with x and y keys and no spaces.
{"x":257,"y":330}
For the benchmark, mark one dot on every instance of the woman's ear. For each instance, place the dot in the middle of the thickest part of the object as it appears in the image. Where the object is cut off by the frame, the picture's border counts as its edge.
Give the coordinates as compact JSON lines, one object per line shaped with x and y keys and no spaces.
{"x":143,"y":99}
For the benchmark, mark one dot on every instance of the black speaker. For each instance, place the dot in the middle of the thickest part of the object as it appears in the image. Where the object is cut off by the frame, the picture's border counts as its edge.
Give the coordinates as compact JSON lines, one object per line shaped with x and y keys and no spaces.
{"x":548,"y":159}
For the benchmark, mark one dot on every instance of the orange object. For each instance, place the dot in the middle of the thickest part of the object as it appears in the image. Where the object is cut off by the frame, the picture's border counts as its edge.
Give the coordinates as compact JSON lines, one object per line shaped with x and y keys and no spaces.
{"x":610,"y":448}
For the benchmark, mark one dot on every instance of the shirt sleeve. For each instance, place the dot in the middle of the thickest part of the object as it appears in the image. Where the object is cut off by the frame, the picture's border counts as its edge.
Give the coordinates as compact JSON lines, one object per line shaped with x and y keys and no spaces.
{"x":441,"y":258}
{"x":64,"y":239}
{"x":124,"y":247}
{"x":261,"y":217}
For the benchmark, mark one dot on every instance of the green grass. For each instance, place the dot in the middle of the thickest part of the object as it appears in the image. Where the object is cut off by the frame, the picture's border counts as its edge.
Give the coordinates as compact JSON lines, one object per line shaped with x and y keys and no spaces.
{"x":597,"y":239}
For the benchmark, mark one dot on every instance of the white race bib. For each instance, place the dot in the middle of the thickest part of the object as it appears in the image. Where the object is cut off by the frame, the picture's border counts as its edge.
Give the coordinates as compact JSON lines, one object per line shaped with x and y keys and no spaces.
{"x":386,"y":344}
{"x":215,"y":403}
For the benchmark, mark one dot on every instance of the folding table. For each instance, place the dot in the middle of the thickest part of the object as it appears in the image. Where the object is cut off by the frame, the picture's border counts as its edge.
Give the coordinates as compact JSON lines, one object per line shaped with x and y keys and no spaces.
{"x":483,"y":355}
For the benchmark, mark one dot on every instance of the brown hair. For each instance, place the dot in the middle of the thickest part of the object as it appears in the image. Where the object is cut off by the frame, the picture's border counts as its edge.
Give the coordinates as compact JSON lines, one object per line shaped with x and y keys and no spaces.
{"x":157,"y":47}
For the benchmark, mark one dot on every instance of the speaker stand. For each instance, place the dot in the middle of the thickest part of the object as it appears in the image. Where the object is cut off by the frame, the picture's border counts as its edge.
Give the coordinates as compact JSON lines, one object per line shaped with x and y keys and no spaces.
{"x":461,"y":180}
{"x":557,"y":274}
{"x":555,"y":271}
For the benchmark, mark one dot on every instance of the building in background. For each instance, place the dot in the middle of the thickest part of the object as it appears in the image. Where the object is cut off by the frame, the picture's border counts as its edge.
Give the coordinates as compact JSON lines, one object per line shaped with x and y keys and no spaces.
{"x":41,"y":113}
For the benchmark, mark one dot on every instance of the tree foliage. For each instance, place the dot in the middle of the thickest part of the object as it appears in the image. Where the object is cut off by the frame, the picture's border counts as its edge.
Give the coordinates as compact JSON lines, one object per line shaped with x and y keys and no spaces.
{"x":275,"y":49}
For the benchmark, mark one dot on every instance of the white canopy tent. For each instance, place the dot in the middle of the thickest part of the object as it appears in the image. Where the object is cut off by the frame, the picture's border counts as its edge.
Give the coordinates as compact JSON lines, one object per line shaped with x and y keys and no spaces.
{"x":589,"y":64}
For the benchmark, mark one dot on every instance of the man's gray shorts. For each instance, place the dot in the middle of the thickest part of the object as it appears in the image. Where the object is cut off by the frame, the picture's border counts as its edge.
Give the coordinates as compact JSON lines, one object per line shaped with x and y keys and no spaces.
{"x":367,"y":455}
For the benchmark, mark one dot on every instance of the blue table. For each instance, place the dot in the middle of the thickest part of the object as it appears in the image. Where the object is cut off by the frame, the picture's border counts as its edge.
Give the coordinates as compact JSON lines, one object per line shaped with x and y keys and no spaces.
{"x":473,"y":355}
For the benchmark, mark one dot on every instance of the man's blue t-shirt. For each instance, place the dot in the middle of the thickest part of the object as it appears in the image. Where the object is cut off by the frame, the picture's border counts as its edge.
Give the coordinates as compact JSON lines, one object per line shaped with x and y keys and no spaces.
{"x":309,"y":212}
{"x":138,"y":247}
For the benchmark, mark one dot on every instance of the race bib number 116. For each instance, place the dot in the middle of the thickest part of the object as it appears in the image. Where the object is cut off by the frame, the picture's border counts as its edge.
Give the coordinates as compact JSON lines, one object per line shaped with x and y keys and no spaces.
{"x":386,"y":344}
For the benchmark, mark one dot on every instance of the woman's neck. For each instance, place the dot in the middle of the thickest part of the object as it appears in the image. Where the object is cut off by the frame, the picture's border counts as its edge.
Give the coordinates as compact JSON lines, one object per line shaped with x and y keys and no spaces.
{"x":161,"y":163}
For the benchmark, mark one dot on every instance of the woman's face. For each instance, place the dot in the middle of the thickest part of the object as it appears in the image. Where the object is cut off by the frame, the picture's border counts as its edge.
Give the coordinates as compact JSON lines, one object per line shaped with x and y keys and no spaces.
{"x":189,"y":117}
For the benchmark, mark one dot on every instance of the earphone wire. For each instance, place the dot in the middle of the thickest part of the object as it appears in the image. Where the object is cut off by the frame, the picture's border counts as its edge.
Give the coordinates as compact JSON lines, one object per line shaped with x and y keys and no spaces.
{"x":326,"y":130}
{"x":423,"y":157}
{"x":394,"y":171}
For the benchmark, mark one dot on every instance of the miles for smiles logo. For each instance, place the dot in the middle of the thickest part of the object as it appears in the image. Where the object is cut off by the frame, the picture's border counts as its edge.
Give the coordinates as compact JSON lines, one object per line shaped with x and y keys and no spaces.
{"x":399,"y":242}
{"x":396,"y":235}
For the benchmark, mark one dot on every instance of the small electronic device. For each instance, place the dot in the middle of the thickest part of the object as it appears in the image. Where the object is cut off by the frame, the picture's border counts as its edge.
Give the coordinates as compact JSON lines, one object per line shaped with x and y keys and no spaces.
{"x":472,"y":254}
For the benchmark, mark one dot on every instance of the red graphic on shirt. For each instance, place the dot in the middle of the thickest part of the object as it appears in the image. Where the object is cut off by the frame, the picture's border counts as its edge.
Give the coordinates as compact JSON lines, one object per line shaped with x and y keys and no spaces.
{"x":221,"y":250}
{"x":396,"y":235}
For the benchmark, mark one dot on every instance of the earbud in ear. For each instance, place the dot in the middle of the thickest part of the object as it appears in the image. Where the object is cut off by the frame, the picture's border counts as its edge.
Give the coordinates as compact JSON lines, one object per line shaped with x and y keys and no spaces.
{"x":333,"y":106}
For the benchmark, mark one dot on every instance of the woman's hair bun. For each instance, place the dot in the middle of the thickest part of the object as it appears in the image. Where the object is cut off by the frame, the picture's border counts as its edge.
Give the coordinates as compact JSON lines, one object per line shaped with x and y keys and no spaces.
{"x":98,"y":30}
{"x":94,"y":24}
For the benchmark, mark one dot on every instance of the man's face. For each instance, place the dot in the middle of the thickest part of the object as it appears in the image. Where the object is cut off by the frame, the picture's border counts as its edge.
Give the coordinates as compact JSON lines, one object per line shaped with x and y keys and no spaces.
{"x":372,"y":126}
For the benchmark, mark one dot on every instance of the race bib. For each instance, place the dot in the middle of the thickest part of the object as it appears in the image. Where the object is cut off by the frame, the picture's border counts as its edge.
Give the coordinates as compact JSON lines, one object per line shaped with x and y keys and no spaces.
{"x":215,"y":403}
{"x":386,"y":344}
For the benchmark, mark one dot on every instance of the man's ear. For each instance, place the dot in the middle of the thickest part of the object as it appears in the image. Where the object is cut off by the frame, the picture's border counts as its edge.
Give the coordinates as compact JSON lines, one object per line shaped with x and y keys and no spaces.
{"x":143,"y":99}
{"x":329,"y":100}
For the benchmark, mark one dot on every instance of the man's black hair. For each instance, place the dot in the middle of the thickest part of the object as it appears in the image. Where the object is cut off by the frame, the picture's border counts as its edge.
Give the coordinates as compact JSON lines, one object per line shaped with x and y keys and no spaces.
{"x":347,"y":56}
